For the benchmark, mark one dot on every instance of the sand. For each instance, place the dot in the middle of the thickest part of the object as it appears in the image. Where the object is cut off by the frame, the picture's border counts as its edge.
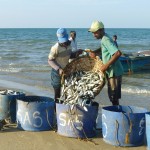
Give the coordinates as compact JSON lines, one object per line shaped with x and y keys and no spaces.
{"x":12,"y":138}
{"x":15,"y":139}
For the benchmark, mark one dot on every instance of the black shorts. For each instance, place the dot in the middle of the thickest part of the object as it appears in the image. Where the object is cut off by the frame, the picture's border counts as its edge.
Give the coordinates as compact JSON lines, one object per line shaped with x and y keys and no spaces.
{"x":114,"y":88}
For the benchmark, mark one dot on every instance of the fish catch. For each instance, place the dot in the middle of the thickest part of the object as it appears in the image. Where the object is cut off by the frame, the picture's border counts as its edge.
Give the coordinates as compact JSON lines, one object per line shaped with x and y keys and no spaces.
{"x":81,"y":87}
{"x":8,"y":92}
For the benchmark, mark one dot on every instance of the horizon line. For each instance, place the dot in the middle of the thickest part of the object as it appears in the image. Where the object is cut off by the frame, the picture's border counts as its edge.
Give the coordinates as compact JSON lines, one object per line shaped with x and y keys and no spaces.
{"x":71,"y":28}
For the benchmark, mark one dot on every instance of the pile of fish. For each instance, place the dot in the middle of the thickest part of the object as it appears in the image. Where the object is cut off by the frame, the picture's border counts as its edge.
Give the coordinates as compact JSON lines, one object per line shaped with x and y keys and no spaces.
{"x":81,"y":87}
{"x":8,"y":92}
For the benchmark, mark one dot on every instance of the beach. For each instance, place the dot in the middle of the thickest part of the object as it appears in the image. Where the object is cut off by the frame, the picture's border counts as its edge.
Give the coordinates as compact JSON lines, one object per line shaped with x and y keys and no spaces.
{"x":24,"y":67}
{"x":29,"y":36}
{"x":12,"y":138}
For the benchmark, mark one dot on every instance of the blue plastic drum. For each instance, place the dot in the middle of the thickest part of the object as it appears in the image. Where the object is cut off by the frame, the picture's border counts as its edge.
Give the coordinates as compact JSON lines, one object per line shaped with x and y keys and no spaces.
{"x":77,"y":122}
{"x":4,"y":107}
{"x":35,"y":113}
{"x":8,"y":106}
{"x":123,"y":125}
{"x":147,"y":115}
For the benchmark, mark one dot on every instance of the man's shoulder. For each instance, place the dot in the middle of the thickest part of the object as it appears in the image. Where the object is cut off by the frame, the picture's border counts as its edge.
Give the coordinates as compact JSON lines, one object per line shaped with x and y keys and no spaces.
{"x":106,"y":38}
{"x":55,"y":46}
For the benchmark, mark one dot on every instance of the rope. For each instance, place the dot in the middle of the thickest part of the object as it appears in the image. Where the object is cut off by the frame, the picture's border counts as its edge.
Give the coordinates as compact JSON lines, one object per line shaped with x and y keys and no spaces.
{"x":70,"y":116}
{"x":49,"y":122}
{"x":74,"y":128}
{"x":116,"y":133}
{"x":129,"y":67}
{"x":127,"y":136}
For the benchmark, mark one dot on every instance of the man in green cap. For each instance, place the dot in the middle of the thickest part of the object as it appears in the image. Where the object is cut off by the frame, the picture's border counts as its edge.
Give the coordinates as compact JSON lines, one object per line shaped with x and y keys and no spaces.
{"x":110,"y":57}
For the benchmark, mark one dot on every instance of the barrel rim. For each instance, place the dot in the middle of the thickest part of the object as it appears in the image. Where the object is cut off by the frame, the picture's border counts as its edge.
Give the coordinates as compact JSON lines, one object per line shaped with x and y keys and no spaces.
{"x":35,"y":98}
{"x":106,"y":108}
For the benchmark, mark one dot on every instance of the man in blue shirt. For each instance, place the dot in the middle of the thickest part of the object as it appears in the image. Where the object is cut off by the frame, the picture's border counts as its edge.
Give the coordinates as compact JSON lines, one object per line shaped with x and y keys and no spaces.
{"x":110,"y":57}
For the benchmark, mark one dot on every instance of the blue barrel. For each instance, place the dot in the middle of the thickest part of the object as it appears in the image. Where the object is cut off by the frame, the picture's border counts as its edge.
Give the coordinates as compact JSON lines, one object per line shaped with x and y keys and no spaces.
{"x":76,"y":122}
{"x":4,"y":107}
{"x":147,"y":116}
{"x":123,"y":125}
{"x":8,"y":106}
{"x":35,"y":113}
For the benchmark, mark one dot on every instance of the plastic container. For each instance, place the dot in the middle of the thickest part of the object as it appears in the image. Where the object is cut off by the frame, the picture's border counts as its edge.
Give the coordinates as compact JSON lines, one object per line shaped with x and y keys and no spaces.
{"x":35,"y":113}
{"x":77,"y":122}
{"x":123,"y":125}
{"x":147,"y":116}
{"x":8,"y":106}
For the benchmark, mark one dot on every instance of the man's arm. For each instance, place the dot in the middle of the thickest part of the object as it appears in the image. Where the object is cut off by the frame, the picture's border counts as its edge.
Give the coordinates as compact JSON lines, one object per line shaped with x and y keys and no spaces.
{"x":111,"y":61}
{"x":94,"y":53}
{"x":54,"y":65}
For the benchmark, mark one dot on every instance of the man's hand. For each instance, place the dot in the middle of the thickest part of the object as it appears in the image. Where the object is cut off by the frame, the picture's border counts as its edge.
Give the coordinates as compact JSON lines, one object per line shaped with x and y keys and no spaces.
{"x":92,"y":54}
{"x":60,"y":71}
{"x":104,"y":68}
{"x":88,"y":50}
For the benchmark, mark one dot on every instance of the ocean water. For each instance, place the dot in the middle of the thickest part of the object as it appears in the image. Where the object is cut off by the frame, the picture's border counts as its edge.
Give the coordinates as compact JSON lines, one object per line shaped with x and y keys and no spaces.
{"x":24,"y":53}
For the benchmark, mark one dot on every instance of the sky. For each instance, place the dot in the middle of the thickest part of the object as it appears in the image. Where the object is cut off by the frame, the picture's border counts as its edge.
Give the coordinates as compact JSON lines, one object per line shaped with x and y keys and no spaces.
{"x":74,"y":13}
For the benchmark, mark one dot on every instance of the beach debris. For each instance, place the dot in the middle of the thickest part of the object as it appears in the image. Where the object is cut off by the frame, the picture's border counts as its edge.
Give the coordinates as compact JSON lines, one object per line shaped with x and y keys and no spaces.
{"x":9,"y":92}
{"x":1,"y":126}
{"x":80,"y":88}
{"x":2,"y":123}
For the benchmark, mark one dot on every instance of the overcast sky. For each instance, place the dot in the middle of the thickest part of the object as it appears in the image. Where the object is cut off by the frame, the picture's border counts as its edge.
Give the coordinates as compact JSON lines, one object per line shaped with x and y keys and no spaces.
{"x":74,"y":13}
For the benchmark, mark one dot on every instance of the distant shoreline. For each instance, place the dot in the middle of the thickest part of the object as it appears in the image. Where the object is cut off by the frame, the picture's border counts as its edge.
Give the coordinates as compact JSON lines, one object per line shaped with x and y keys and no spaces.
{"x":27,"y":89}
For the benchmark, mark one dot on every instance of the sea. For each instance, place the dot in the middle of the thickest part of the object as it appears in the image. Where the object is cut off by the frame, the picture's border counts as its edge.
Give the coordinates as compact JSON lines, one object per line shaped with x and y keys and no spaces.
{"x":24,"y":60}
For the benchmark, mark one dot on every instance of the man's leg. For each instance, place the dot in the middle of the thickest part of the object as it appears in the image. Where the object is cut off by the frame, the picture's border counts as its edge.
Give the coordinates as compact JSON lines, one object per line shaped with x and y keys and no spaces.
{"x":114,"y":89}
{"x":57,"y":94}
{"x":56,"y":83}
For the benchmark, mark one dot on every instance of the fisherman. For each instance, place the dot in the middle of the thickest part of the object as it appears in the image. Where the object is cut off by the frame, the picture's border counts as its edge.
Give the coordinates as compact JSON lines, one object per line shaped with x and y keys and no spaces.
{"x":58,"y":58}
{"x":75,"y":51}
{"x":110,"y":57}
{"x":115,"y":40}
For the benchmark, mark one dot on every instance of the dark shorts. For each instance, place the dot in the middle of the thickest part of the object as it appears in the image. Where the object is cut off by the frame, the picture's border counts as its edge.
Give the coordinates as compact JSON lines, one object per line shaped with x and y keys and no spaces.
{"x":55,"y":79}
{"x":114,"y":88}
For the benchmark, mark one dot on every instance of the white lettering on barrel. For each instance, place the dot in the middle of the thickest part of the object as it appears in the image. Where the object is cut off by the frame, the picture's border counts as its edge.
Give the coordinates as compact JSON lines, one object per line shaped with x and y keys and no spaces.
{"x":26,"y":118}
{"x":142,"y":126}
{"x":36,"y":116}
{"x":19,"y":117}
{"x":78,"y":120}
{"x":62,"y":118}
{"x":0,"y":101}
{"x":104,"y":117}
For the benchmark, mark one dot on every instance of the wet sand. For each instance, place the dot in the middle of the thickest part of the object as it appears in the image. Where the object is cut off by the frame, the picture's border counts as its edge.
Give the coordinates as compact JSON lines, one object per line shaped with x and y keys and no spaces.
{"x":12,"y":138}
